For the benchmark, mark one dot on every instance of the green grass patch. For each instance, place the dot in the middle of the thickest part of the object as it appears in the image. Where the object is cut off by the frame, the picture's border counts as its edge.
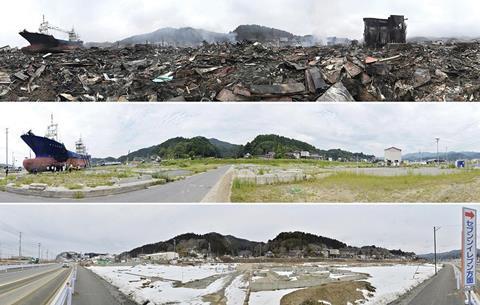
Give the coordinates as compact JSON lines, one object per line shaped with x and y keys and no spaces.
{"x":74,"y":186}
{"x":78,"y":195}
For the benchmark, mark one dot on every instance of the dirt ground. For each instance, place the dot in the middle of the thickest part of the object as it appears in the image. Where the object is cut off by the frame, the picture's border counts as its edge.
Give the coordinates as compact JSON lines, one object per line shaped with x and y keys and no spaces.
{"x":333,"y":293}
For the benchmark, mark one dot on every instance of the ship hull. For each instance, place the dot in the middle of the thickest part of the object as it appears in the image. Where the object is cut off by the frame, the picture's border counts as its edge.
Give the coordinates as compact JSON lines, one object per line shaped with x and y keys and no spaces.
{"x":51,"y":155}
{"x":42,"y":164}
{"x":45,"y":164}
{"x":47,"y":43}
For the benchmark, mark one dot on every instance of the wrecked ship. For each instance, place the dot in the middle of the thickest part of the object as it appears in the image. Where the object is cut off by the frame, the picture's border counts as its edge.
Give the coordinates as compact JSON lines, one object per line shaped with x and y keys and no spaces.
{"x":43,"y":41}
{"x":51,"y":155}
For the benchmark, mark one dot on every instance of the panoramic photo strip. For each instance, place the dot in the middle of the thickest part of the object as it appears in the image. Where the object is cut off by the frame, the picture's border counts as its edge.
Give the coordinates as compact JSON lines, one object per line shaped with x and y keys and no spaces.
{"x":240,"y":153}
{"x":237,"y":50}
{"x":243,"y":255}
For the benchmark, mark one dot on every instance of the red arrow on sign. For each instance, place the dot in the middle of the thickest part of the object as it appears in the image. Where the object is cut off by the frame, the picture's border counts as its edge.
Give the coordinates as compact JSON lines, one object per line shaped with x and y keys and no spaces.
{"x":470,"y":214}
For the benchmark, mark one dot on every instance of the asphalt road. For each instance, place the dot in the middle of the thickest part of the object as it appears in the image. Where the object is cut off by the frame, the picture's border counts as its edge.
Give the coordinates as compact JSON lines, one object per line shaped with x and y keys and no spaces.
{"x":18,"y":274}
{"x":90,"y":289}
{"x":31,"y":287}
{"x":191,"y":189}
{"x":442,"y":290}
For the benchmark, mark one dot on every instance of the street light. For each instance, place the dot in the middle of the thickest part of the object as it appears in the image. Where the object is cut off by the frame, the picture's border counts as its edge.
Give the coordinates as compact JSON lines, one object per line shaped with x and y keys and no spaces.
{"x":435,"y":229}
{"x":438,"y":156}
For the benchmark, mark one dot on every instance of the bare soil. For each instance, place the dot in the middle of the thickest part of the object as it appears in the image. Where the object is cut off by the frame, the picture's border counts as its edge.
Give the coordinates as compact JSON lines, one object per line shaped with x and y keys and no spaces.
{"x":334,"y":293}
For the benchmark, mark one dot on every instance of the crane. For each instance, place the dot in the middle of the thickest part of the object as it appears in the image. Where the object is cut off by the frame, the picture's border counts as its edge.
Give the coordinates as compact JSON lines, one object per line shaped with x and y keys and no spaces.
{"x":45,"y":27}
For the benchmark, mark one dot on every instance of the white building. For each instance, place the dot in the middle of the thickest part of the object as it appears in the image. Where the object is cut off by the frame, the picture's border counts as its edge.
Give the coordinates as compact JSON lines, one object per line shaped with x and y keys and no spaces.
{"x":162,"y":256}
{"x":334,"y":252}
{"x":305,"y":154}
{"x":393,"y":156}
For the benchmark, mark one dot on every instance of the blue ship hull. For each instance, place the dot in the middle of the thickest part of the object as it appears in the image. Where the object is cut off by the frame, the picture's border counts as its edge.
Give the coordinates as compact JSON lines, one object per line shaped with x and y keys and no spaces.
{"x":50,"y":153}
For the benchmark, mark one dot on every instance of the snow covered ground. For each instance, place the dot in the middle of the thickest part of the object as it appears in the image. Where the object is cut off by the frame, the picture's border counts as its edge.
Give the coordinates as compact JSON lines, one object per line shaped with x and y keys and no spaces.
{"x":268,"y":297}
{"x":393,"y":281}
{"x":129,"y":281}
{"x":236,"y":292}
{"x":390,"y":281}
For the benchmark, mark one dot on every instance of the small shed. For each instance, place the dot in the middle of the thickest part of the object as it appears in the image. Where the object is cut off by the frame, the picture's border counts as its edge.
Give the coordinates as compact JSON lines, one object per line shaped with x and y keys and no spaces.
{"x":393,"y":156}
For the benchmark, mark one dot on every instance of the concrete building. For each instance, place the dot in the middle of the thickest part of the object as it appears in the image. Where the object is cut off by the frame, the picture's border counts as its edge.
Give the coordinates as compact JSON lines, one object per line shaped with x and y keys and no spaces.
{"x":270,"y":155}
{"x":334,"y":253}
{"x":379,"y":32}
{"x":304,"y":154}
{"x":161,"y":257}
{"x":393,"y":156}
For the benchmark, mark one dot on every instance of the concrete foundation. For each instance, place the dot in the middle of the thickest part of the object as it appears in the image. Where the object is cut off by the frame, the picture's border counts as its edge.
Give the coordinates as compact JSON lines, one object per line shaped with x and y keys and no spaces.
{"x":260,"y":176}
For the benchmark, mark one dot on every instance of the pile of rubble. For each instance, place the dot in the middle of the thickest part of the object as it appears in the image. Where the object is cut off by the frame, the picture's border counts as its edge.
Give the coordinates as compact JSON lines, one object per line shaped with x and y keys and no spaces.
{"x":245,"y":72}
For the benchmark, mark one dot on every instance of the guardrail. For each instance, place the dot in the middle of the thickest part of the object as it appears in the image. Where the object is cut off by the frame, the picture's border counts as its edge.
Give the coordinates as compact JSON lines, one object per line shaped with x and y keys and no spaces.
{"x":64,"y":296}
{"x":6,"y":268}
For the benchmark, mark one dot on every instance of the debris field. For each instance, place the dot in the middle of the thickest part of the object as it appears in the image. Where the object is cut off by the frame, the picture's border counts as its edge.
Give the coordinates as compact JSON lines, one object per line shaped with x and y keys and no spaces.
{"x":245,"y":72}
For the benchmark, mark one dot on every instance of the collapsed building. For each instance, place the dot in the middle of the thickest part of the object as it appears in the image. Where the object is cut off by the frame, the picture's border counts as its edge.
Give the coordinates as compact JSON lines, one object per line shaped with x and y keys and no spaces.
{"x":379,"y":32}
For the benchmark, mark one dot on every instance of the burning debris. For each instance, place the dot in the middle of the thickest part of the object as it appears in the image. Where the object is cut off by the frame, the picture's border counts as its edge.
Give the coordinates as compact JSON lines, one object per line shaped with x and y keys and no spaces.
{"x":245,"y":72}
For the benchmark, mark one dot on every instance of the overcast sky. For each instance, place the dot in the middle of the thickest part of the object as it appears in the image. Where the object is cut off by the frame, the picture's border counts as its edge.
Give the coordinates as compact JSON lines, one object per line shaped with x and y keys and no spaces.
{"x":112,"y":129}
{"x":111,"y":20}
{"x":117,"y":228}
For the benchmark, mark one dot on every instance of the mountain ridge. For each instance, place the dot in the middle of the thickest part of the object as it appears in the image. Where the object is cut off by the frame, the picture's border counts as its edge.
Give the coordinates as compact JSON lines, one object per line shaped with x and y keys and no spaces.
{"x":282,"y":244}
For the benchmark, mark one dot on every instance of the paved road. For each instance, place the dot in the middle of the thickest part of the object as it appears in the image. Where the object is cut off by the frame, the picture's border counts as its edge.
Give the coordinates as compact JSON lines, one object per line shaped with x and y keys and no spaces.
{"x":17,"y":274}
{"x":90,"y":289}
{"x":192,"y":189}
{"x":442,"y":290}
{"x":33,"y":286}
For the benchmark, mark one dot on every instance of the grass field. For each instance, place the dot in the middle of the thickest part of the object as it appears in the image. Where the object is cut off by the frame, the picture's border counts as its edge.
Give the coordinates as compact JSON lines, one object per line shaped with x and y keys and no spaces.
{"x":351,"y":187}
{"x":73,"y":180}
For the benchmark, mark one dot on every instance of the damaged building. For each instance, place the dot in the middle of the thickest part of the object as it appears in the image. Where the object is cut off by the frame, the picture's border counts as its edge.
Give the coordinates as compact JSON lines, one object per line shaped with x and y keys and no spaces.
{"x":379,"y":32}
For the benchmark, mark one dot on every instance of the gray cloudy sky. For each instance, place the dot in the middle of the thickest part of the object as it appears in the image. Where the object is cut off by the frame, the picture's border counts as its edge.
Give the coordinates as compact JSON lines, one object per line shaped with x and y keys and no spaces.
{"x":111,"y":20}
{"x":117,"y":228}
{"x":112,"y":129}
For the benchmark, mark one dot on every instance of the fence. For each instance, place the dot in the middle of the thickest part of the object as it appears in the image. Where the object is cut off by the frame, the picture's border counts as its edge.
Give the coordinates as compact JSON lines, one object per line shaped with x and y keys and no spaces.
{"x":64,"y":297}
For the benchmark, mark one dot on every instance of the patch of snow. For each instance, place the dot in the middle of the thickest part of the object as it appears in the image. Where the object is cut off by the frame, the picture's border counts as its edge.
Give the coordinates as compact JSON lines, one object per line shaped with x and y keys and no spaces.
{"x":236,"y":292}
{"x":128,"y":280}
{"x":324,"y":302}
{"x":284,"y":273}
{"x":268,"y":297}
{"x":393,"y":281}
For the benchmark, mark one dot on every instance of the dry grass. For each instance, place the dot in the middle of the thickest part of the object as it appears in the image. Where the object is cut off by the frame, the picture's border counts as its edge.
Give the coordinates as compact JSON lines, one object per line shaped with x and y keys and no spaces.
{"x":350,"y":187}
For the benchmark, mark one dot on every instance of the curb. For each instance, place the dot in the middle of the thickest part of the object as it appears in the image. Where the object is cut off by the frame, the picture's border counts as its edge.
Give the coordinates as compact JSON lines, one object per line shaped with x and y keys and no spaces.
{"x":80,"y":194}
{"x":215,"y":194}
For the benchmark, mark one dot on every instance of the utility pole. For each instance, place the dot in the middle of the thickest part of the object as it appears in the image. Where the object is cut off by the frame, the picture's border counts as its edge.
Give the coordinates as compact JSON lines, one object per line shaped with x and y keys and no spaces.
{"x":174,"y":246}
{"x":435,"y":229}
{"x":39,"y":246}
{"x":438,"y":156}
{"x":6,"y":140}
{"x":20,"y":245}
{"x":47,"y":255}
{"x":446,"y":154}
